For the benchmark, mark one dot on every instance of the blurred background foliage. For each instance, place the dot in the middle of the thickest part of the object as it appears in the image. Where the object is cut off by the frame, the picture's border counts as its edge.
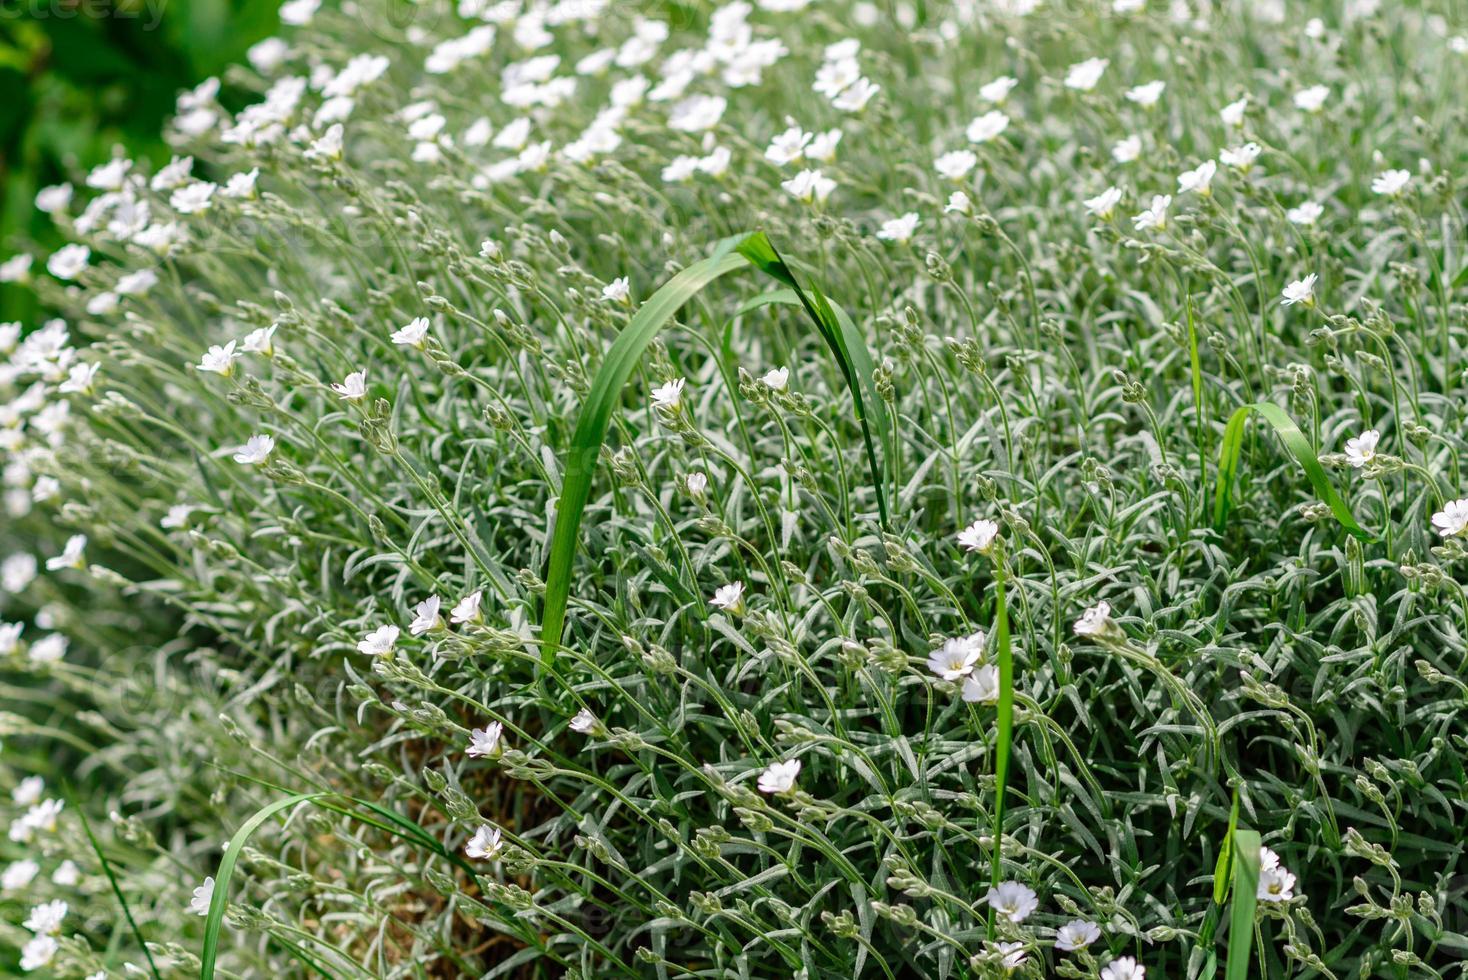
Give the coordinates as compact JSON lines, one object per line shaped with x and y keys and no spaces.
{"x":78,"y":77}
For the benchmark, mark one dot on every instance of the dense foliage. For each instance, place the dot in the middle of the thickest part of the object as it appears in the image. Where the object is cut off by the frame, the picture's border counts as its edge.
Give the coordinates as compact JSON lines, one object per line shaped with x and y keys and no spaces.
{"x":951,"y":535}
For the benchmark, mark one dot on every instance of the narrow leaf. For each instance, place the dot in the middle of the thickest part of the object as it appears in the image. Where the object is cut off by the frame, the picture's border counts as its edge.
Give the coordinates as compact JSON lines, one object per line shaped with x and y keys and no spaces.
{"x":1005,"y":725}
{"x":621,"y":359}
{"x":1298,"y":446}
{"x":1241,"y":911}
{"x":215,"y":921}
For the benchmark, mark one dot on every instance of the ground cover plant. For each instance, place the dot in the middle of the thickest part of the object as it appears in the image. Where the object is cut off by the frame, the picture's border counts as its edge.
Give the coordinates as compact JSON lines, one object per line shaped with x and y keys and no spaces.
{"x":799,"y":488}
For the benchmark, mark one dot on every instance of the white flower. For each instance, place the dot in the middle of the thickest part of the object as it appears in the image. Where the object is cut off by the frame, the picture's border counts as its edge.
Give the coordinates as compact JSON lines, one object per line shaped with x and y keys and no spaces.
{"x":196,"y":198}
{"x":38,"y":952}
{"x":177,"y":517}
{"x":998,"y":90}
{"x":1012,"y":955}
{"x":1240,"y":157}
{"x":219,"y":360}
{"x":1276,"y":884}
{"x":426,"y":616}
{"x":380,"y":641}
{"x":67,"y":874}
{"x":809,"y":186}
{"x":136,"y":283}
{"x":485,"y":742}
{"x":1233,"y":113}
{"x":298,"y":12}
{"x":584,"y":723}
{"x":856,"y":96}
{"x":982,"y":686}
{"x":256,"y":450}
{"x":80,"y":379}
{"x":1123,"y":968}
{"x":16,"y":268}
{"x":1307,"y":213}
{"x":986,"y":127}
{"x":19,"y":875}
{"x":109,"y":176}
{"x":617,"y":291}
{"x":836,"y":75}
{"x":679,"y":169}
{"x":1083,"y":75}
{"x":268,"y":55}
{"x":956,"y":164}
{"x":716,"y":162}
{"x":1452,"y":519}
{"x":45,"y":919}
{"x":779,"y":777}
{"x":466,"y":610}
{"x":68,"y":261}
{"x":1146,"y":95}
{"x":1013,"y":900}
{"x":669,"y":396}
{"x":979,"y":536}
{"x":17,"y":572}
{"x":1103,"y":205}
{"x":697,"y":114}
{"x":49,"y":200}
{"x":174,"y":174}
{"x":958,"y":656}
{"x":788,"y":146}
{"x":822,"y":147}
{"x":48,"y":649}
{"x":1300,"y":291}
{"x":260,"y":341}
{"x":329,"y":145}
{"x":1076,"y":934}
{"x":1362,"y":449}
{"x":485,"y":844}
{"x":241,"y":185}
{"x":776,"y":378}
{"x":1127,"y":150}
{"x":203,"y":896}
{"x":415,"y":334}
{"x":71,"y":556}
{"x":729,"y":598}
{"x":899,"y":230}
{"x":1198,"y":180}
{"x":1094,"y":621}
{"x":958,"y":203}
{"x":1312,"y":99}
{"x":9,"y":644}
{"x":353,"y":388}
{"x":1391,"y":183}
{"x":1154,"y":217}
{"x":29,"y":790}
{"x":697,"y":484}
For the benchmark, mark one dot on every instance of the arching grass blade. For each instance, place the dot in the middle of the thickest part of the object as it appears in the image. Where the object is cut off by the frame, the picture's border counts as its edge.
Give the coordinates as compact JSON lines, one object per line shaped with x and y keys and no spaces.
{"x":215,"y":920}
{"x":1299,"y":447}
{"x":606,"y":392}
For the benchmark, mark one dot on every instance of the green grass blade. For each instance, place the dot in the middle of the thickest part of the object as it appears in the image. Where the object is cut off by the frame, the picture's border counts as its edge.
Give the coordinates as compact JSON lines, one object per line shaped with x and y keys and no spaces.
{"x":579,"y":466}
{"x":1299,"y":447}
{"x":1195,"y":367}
{"x":1241,"y":911}
{"x":112,"y":881}
{"x":1222,"y":870}
{"x":606,"y":391}
{"x":215,"y":921}
{"x":846,"y":344}
{"x":1005,"y":724}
